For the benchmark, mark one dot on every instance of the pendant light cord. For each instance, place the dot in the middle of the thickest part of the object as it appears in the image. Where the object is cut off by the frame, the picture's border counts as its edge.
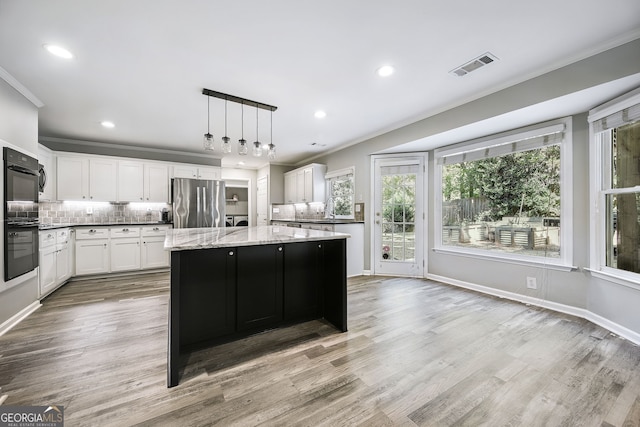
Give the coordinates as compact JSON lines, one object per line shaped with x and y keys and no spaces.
{"x":208,"y":113}
{"x":225,"y":117}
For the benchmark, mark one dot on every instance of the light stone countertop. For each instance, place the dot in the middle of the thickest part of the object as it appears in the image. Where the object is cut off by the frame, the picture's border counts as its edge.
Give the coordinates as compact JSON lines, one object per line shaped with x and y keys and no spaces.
{"x":179,"y":239}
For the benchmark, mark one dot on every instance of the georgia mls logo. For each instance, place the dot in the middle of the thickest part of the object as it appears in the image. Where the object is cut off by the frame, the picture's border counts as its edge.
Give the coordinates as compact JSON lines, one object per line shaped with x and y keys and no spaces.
{"x":31,"y":416}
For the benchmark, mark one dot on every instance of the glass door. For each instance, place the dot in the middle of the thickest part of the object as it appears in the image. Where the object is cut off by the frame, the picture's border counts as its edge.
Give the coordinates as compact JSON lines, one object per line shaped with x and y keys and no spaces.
{"x":399,"y":216}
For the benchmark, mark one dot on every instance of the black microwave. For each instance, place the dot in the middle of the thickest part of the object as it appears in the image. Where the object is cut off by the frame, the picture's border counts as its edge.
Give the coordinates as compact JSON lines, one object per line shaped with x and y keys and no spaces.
{"x":21,"y":180}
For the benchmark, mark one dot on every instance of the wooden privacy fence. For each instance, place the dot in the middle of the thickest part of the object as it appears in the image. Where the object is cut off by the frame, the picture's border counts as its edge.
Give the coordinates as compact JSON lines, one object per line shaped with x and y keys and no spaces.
{"x":457,"y":211}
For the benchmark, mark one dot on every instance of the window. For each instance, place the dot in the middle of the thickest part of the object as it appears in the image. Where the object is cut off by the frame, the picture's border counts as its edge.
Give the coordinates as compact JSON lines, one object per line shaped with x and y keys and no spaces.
{"x":508,"y":195}
{"x":615,"y":130}
{"x":340,"y":192}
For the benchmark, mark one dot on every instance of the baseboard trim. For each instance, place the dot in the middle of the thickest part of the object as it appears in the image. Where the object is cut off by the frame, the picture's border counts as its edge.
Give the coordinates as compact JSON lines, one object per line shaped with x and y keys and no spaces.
{"x":19,"y":317}
{"x":615,"y":328}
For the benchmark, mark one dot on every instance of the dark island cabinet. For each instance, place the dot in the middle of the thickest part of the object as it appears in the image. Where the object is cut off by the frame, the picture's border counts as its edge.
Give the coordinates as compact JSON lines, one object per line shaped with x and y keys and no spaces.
{"x":302,"y":281}
{"x":259,"y":284}
{"x":224,"y":294}
{"x":207,"y":293}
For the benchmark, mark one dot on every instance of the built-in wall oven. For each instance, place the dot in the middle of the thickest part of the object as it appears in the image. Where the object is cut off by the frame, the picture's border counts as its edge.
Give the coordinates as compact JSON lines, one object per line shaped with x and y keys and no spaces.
{"x":20,"y":213}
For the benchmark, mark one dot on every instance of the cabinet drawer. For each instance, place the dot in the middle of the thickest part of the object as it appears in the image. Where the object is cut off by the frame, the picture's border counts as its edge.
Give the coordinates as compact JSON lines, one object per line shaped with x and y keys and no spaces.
{"x":125,"y":232}
{"x":154,"y":231}
{"x":47,"y":238}
{"x":92,"y":233}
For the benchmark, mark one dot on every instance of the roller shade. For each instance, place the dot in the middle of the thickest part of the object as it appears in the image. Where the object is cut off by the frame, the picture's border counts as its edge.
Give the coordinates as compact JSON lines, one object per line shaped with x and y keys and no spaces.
{"x":617,"y":119}
{"x":531,"y":140}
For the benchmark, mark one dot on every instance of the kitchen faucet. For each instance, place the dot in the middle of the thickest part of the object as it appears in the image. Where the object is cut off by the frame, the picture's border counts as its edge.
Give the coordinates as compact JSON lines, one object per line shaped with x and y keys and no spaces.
{"x":330,"y":208}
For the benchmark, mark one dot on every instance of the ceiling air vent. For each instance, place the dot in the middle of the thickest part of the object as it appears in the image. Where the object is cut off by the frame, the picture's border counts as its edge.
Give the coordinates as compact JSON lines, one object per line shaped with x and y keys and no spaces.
{"x":474,"y":64}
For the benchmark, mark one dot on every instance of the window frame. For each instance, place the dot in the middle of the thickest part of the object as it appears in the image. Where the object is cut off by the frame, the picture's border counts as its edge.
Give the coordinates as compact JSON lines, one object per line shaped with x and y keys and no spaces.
{"x":564,"y":262}
{"x":600,"y":187}
{"x":351,"y":170}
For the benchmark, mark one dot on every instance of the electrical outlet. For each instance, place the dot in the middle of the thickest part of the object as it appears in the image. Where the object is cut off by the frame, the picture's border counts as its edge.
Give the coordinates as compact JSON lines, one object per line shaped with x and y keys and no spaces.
{"x":89,"y":210}
{"x":531,"y":283}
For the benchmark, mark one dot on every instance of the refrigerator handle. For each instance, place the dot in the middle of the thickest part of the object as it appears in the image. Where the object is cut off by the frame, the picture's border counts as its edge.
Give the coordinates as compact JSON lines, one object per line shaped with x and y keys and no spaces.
{"x":198,"y":208}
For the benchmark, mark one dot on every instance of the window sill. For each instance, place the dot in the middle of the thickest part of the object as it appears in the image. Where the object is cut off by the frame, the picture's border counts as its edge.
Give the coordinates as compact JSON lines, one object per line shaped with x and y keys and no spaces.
{"x":615,"y":278}
{"x":552,"y":264}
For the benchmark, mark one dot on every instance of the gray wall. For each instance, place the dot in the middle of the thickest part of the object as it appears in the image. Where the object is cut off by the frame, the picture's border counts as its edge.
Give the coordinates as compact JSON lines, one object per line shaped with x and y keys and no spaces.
{"x":18,"y":126}
{"x":615,"y":303}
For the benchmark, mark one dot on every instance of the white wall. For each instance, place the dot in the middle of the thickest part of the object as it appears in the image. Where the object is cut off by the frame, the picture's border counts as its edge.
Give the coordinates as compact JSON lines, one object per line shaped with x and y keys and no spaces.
{"x":18,"y":127}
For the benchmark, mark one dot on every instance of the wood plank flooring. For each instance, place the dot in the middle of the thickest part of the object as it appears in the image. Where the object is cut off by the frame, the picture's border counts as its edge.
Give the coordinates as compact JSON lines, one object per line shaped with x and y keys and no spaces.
{"x":417,"y":353}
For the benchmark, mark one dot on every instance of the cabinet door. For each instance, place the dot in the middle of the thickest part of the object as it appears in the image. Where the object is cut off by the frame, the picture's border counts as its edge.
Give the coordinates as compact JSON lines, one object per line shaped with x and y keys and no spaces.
{"x":47,"y":269}
{"x":125,"y":254}
{"x":290,"y":188}
{"x":300,"y":187}
{"x":130,"y":181}
{"x":185,"y":171}
{"x":308,"y":195}
{"x":259,"y":286}
{"x":92,"y":256}
{"x":156,"y":183}
{"x":209,"y":173}
{"x":302,"y":280}
{"x":153,"y":253}
{"x":62,"y":264}
{"x":102,"y":180}
{"x":72,"y":178}
{"x":203,"y":283}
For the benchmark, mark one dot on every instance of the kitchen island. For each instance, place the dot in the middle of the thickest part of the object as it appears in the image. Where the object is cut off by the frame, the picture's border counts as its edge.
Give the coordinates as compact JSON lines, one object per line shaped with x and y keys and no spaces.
{"x":229,"y":283}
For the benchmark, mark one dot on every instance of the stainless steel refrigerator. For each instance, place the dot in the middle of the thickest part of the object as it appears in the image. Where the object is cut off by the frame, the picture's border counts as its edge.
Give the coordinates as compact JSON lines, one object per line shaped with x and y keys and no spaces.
{"x":197,"y":203}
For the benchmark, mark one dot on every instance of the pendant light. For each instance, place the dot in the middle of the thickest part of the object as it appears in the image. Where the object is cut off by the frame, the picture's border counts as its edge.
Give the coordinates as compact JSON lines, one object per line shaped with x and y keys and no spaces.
{"x":226,"y":145}
{"x":257,"y":147}
{"x":271,"y":154}
{"x":208,"y":138}
{"x":242,"y":143}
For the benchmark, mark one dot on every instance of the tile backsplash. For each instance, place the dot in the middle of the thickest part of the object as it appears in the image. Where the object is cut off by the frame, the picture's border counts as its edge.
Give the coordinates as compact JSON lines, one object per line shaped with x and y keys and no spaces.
{"x":289,"y":212}
{"x":99,"y":212}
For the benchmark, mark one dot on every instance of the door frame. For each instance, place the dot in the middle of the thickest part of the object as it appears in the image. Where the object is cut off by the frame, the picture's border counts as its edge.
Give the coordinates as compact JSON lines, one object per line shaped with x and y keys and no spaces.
{"x":422,"y":159}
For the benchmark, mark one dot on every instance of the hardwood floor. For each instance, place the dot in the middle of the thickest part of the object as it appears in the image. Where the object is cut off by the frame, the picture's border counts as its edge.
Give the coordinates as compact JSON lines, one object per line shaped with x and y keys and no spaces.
{"x":417,"y":353}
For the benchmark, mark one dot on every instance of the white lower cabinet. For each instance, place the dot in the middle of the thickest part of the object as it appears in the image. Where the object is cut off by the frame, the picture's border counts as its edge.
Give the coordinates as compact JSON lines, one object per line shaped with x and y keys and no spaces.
{"x":92,"y":251}
{"x":120,"y":249}
{"x":124,"y":247}
{"x":153,"y":253}
{"x":55,"y":266}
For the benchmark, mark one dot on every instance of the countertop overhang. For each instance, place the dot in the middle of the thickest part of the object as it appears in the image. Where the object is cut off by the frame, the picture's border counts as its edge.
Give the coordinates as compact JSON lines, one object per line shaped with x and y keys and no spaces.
{"x":179,"y":239}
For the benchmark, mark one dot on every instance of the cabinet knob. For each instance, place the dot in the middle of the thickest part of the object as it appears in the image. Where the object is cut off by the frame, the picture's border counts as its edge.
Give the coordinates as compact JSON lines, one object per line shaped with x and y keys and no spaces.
{"x":156,"y":229}
{"x":92,"y":231}
{"x":319,"y":246}
{"x":280,"y":249}
{"x":230,"y":253}
{"x":141,"y":198}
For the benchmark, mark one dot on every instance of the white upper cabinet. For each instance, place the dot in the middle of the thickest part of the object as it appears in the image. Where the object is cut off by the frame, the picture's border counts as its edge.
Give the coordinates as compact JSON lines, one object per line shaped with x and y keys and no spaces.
{"x":156,"y":183}
{"x":130,"y":181}
{"x":143,"y":181}
{"x":305,"y":185}
{"x":196,"y":172}
{"x":86,"y":179}
{"x":73,"y":178}
{"x":102,"y":179}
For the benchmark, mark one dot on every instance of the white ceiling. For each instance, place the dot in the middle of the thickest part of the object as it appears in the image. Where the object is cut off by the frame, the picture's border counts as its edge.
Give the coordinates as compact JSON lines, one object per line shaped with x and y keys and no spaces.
{"x":143,"y":64}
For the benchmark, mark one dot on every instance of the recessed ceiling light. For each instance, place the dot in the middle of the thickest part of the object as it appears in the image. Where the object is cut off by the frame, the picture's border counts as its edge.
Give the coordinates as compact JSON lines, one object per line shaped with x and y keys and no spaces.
{"x":240,"y":163}
{"x":385,"y":71}
{"x":320,"y":114}
{"x":58,"y":51}
{"x":108,"y":124}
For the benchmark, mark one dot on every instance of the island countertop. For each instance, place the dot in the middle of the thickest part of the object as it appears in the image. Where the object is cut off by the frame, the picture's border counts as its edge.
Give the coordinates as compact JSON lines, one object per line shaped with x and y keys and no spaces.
{"x":180,"y":239}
